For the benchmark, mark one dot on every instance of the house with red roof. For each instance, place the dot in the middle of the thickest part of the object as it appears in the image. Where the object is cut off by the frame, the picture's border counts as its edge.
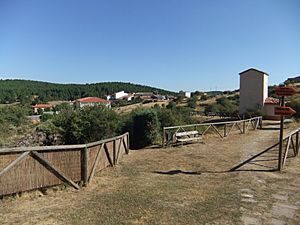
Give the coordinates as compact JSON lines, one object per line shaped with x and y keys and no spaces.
{"x":36,"y":107}
{"x":91,"y":101}
{"x":269,"y":108}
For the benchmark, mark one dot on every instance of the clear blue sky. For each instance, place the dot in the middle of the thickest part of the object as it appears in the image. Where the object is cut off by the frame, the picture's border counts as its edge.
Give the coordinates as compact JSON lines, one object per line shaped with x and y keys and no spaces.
{"x":172,"y":44}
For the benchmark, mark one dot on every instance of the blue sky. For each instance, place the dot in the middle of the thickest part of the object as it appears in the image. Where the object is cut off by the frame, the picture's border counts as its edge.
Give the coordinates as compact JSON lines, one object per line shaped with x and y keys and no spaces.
{"x":172,"y":44}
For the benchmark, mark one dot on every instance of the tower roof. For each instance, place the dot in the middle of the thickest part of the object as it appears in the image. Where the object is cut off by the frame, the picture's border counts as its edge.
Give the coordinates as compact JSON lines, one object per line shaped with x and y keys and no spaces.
{"x":259,"y":71}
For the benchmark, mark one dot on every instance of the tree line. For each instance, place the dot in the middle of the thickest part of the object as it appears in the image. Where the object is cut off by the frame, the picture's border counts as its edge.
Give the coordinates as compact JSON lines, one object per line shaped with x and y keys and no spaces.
{"x":26,"y":91}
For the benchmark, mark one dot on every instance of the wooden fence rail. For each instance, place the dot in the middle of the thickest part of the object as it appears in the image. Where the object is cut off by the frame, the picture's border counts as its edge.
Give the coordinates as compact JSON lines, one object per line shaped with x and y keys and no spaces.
{"x":29,"y":168}
{"x":222,"y":129}
{"x":291,"y":142}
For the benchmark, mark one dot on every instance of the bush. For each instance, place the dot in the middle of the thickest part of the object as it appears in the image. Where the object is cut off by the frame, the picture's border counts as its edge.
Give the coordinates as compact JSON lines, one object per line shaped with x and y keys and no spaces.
{"x":171,"y":105}
{"x":204,"y":97}
{"x":174,"y":116}
{"x":296,"y":106}
{"x":223,"y":106}
{"x":44,"y":117}
{"x":143,"y":126}
{"x":192,"y":102}
{"x":14,"y":115}
{"x":86,"y":125}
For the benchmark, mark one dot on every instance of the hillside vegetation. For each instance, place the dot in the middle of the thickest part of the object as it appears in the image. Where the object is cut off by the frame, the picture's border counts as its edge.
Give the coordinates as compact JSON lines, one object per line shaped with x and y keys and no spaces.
{"x":24,"y":90}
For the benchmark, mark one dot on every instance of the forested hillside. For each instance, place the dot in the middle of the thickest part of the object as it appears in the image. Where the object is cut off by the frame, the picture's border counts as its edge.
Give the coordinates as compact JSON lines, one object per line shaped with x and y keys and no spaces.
{"x":23,"y":90}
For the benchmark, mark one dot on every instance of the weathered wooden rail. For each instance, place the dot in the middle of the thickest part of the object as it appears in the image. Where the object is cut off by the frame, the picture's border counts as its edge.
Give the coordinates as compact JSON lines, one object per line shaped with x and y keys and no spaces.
{"x":29,"y":168}
{"x":222,"y":129}
{"x":291,"y":143}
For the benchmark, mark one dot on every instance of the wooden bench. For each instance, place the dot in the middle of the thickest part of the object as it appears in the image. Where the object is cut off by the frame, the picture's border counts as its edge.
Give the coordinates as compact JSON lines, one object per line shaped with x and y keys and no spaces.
{"x":187,"y":136}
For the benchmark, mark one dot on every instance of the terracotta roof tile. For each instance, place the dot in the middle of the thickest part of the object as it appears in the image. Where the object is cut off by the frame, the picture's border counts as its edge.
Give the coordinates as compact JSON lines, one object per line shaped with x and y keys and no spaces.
{"x":272,"y":101}
{"x":92,"y":99}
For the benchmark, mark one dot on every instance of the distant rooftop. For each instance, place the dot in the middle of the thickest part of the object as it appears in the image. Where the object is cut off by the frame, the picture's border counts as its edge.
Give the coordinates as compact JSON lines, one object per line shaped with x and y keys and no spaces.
{"x":91,"y":99}
{"x":272,"y":101}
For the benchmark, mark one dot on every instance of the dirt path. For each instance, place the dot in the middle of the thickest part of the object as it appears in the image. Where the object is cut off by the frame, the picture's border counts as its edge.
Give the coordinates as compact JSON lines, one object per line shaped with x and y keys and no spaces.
{"x":180,"y":185}
{"x":270,"y":198}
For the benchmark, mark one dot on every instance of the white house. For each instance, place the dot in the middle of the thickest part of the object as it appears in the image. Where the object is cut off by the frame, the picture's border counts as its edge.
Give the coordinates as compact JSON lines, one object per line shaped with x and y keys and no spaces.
{"x":120,"y":95}
{"x":36,"y":107}
{"x":187,"y":94}
{"x":269,"y":108}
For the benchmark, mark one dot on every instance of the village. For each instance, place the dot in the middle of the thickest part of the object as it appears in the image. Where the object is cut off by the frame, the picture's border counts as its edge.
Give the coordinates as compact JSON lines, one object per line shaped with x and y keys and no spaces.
{"x":257,"y":113}
{"x":149,"y":112}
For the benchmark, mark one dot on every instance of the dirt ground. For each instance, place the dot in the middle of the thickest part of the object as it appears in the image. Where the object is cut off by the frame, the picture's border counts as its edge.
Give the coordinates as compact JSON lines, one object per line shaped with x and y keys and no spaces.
{"x":176,"y":185}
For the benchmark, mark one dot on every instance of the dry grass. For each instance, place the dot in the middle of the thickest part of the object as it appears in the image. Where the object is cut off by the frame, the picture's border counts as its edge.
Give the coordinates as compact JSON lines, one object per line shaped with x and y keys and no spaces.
{"x":129,"y":108}
{"x":179,"y":185}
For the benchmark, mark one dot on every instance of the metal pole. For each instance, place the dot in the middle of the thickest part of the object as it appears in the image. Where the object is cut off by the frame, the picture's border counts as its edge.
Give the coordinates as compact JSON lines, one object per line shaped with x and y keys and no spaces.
{"x":281,"y":138}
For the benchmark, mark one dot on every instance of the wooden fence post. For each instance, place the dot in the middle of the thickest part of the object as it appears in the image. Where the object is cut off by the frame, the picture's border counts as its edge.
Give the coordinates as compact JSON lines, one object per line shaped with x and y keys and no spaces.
{"x":260,"y":123}
{"x":297,"y":143}
{"x":128,"y":145}
{"x":84,"y":166}
{"x":225,"y":130}
{"x":114,"y":152}
{"x":244,"y":126}
{"x":163,"y":139}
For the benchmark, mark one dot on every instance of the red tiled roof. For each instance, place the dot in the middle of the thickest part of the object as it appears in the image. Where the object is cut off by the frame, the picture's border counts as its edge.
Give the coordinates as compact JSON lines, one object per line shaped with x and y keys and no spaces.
{"x":42,"y":106}
{"x":92,"y":99}
{"x":272,"y":101}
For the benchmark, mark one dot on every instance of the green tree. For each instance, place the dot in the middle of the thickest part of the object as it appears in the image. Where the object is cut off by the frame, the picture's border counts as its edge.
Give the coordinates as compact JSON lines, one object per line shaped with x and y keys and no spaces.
{"x":86,"y":125}
{"x":143,"y":126}
{"x":192,"y":102}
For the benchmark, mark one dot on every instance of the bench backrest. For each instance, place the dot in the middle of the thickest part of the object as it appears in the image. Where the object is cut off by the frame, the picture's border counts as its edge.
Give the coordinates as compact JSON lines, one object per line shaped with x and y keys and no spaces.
{"x":186,"y":133}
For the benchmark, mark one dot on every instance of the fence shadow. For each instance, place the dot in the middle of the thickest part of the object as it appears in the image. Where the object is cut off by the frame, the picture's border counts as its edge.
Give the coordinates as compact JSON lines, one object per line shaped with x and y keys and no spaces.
{"x":258,"y":162}
{"x":270,"y":128}
{"x":175,"y":172}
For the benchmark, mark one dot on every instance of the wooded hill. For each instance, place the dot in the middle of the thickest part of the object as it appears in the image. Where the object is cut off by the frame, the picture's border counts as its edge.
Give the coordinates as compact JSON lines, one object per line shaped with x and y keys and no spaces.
{"x":23,"y":90}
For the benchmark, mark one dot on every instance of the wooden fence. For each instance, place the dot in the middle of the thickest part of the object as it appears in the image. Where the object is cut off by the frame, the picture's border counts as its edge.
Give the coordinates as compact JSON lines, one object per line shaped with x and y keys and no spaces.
{"x":29,"y":168}
{"x":290,"y":142}
{"x":222,"y":129}
{"x":291,"y":146}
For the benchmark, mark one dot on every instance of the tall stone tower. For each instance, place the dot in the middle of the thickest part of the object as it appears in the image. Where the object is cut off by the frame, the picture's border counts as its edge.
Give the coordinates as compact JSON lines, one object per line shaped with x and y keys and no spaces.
{"x":253,"y":90}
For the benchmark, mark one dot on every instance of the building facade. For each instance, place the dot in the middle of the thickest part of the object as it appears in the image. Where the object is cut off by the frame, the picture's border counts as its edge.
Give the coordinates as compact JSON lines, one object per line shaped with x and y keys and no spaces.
{"x":253,"y":90}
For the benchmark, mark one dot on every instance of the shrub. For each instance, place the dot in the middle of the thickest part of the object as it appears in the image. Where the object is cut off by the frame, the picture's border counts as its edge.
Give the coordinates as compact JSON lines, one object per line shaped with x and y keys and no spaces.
{"x":86,"y":125}
{"x":203,"y":97}
{"x":14,"y":115}
{"x":174,"y":116}
{"x":171,"y":105}
{"x":192,"y":102}
{"x":45,"y":117}
{"x":143,"y":126}
{"x":296,"y":106}
{"x":224,"y":106}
